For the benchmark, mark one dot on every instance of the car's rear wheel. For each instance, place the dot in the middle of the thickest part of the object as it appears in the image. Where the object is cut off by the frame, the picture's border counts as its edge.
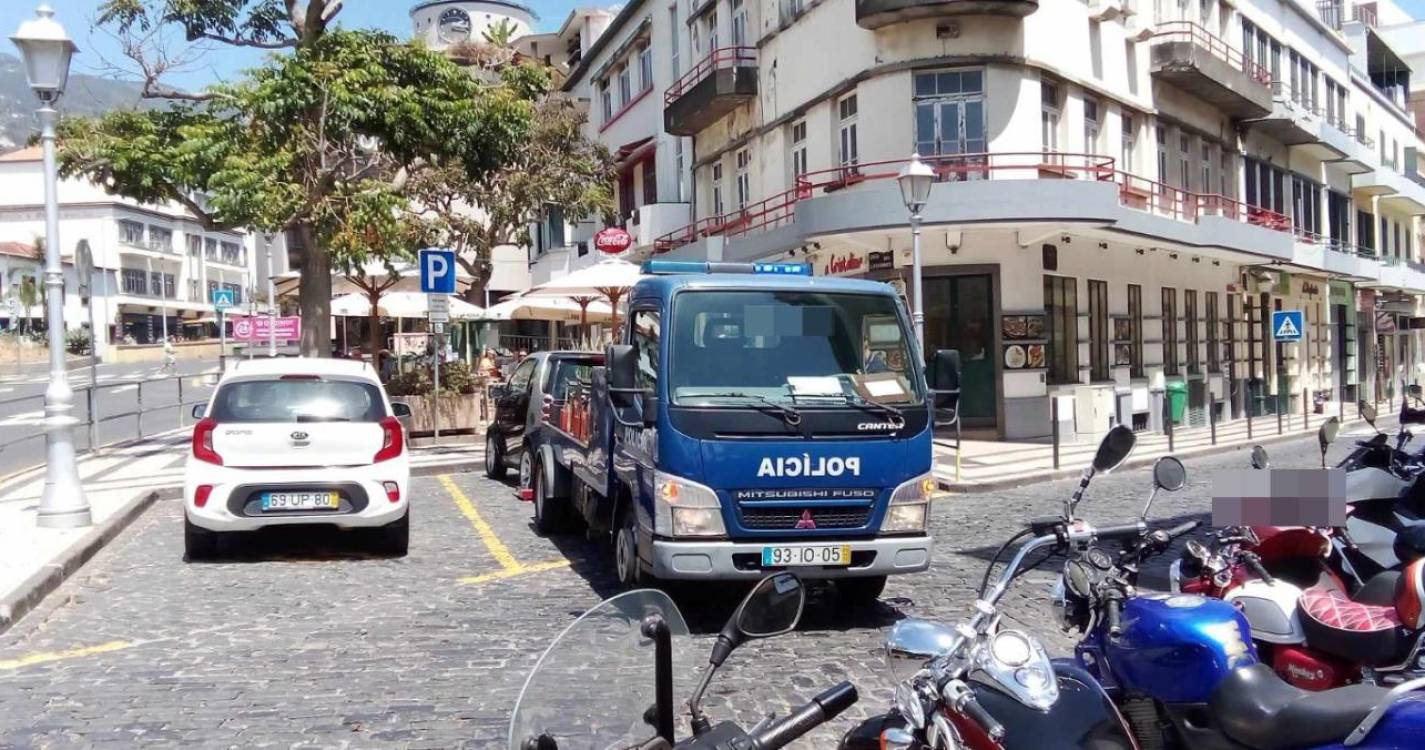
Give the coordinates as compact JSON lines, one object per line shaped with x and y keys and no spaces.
{"x":394,"y":539}
{"x":551,"y":514}
{"x":861,"y":591}
{"x":494,"y":456}
{"x":198,"y":542}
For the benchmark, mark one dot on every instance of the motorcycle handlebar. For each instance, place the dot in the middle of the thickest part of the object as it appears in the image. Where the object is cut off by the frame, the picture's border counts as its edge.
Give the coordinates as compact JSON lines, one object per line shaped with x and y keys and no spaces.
{"x":1254,"y":564}
{"x":818,"y":710}
{"x":1121,"y":531}
{"x":1113,"y":615}
{"x":977,"y":713}
{"x":1183,"y":528}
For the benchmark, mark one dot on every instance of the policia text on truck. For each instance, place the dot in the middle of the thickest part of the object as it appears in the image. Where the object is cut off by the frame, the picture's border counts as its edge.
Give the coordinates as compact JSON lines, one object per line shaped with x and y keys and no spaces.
{"x":755,"y":418}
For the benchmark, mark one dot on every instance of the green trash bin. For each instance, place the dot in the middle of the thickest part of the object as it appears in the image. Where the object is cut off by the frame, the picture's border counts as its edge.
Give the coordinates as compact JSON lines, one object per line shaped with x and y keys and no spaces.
{"x":1177,"y":400}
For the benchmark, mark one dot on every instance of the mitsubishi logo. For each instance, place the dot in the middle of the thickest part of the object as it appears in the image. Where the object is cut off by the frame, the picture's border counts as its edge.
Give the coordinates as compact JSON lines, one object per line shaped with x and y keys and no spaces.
{"x":806,"y":521}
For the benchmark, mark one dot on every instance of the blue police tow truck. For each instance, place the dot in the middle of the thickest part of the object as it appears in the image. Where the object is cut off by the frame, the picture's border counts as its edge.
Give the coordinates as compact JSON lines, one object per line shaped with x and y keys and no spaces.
{"x":755,"y":418}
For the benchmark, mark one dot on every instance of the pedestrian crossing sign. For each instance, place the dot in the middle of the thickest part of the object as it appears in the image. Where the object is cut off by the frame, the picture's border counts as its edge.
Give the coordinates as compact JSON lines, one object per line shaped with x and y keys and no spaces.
{"x":223,"y":298}
{"x":1286,"y":325}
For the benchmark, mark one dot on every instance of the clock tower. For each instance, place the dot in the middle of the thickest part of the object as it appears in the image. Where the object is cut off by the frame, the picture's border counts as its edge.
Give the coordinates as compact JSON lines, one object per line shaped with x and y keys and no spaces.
{"x":444,"y":23}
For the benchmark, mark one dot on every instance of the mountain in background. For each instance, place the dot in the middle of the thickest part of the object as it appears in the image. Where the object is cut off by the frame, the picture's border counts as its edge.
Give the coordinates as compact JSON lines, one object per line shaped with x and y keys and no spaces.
{"x":85,"y":95}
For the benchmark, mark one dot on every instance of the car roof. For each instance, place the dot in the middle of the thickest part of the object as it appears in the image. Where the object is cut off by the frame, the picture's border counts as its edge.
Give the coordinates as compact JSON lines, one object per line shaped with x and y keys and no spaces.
{"x":351,"y":368}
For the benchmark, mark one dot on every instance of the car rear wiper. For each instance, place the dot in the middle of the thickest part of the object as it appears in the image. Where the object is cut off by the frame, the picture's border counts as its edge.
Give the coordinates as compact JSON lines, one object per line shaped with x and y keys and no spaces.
{"x":791,"y":415}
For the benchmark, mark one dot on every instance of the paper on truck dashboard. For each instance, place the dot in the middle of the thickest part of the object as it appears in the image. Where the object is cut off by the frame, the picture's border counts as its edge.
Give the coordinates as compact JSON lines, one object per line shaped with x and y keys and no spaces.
{"x":881,"y":387}
{"x":827,"y":385}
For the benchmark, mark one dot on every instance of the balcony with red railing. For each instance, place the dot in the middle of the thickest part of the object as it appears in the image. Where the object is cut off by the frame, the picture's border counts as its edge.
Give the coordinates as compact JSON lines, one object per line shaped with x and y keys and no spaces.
{"x":1194,"y":59}
{"x":716,"y":85}
{"x":1133,"y":191}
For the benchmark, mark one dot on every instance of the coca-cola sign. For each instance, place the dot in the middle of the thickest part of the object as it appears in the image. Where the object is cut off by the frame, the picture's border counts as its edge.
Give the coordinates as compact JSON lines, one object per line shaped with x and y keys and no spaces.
{"x":612,"y":240}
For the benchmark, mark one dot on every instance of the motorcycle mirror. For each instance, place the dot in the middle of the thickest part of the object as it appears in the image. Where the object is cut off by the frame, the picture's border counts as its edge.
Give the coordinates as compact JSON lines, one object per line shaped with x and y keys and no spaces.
{"x":1259,"y":457}
{"x":1325,"y":435}
{"x":1368,"y":413}
{"x":772,"y":607}
{"x":911,"y":643}
{"x":1077,"y":579}
{"x":1113,"y":449}
{"x":1169,"y":474}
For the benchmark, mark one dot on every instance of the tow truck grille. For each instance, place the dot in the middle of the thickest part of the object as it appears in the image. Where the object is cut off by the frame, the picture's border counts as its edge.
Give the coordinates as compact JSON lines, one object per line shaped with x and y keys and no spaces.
{"x":825,"y":517}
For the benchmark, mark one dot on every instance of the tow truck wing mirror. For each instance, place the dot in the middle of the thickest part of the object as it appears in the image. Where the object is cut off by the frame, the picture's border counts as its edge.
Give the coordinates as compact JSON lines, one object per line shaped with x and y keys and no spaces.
{"x":621,"y":361}
{"x":400,"y":410}
{"x":1260,"y":459}
{"x":199,"y":410}
{"x":943,"y":374}
{"x":1368,"y":413}
{"x":1326,"y":435}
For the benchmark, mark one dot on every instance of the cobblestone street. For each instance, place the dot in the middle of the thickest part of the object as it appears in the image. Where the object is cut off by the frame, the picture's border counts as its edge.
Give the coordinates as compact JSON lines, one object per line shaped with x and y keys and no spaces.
{"x":303,"y":640}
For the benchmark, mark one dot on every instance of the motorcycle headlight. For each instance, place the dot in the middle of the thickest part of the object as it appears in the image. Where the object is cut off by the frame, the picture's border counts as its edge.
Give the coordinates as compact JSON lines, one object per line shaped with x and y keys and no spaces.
{"x":910,"y":505}
{"x":683,"y":508}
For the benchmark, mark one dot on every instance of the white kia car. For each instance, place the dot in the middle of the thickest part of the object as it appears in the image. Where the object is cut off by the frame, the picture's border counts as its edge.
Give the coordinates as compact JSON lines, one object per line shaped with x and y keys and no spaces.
{"x":297,"y":441}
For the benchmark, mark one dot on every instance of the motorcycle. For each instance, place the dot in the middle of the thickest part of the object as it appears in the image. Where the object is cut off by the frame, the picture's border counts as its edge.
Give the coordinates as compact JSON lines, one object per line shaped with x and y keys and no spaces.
{"x":1185,"y":673}
{"x":603,"y":660}
{"x":982,"y":686}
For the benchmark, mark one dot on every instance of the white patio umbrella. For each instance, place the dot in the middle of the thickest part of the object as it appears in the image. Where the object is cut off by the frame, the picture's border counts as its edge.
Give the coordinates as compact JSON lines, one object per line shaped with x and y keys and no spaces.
{"x":561,"y":309}
{"x":369,"y":277}
{"x":354,"y":305}
{"x":610,"y":278}
{"x":417,"y":305}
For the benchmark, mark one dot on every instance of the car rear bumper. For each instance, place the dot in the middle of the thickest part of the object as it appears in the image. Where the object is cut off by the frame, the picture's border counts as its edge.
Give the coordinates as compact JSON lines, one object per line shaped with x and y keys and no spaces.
{"x":723,"y":560}
{"x":234,"y":503}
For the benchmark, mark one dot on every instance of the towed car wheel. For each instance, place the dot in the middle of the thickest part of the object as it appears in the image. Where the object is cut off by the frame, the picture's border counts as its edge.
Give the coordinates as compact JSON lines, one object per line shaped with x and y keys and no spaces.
{"x":394,"y":538}
{"x":494,"y":456}
{"x":626,"y":552}
{"x":198,"y":542}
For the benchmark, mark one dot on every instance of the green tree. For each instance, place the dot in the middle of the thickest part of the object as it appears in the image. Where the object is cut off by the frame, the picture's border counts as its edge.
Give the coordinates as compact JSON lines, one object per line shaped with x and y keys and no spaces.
{"x":556,"y":167}
{"x":321,"y":141}
{"x":500,"y":33}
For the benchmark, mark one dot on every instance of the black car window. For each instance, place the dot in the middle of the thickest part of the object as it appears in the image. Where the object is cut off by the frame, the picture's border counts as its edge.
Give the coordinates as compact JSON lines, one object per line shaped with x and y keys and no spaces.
{"x":298,"y":401}
{"x":567,"y":373}
{"x":519,"y":380}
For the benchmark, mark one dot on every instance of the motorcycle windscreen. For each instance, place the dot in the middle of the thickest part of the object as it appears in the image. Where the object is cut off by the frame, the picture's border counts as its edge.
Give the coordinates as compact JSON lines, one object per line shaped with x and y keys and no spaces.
{"x":592,"y":687}
{"x":1084,"y":718}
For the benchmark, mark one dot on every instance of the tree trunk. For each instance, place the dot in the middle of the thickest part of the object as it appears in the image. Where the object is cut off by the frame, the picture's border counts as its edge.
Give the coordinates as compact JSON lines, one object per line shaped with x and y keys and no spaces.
{"x":315,"y":297}
{"x":373,"y":331}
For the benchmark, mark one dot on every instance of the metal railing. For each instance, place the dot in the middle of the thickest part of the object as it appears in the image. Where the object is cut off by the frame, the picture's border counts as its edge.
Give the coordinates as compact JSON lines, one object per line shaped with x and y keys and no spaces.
{"x":722,"y":57}
{"x":91,"y":396}
{"x":1192,"y":33}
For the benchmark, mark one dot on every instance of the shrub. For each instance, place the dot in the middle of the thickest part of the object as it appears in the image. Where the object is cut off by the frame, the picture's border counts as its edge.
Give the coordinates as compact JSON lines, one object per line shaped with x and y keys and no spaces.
{"x":457,"y":377}
{"x":413,"y":382}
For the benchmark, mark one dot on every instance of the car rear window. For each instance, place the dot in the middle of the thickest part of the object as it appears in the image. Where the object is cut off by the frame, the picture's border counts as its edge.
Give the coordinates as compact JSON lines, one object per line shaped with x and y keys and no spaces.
{"x":298,"y":401}
{"x":568,"y":372}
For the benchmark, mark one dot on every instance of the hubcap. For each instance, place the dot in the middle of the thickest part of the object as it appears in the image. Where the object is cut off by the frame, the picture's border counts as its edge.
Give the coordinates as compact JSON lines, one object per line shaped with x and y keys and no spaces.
{"x":625,"y":555}
{"x":524,"y":471}
{"x":489,"y":453}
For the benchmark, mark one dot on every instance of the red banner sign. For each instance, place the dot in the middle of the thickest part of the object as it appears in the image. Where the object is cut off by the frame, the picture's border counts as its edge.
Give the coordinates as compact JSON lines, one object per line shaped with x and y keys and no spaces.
{"x":258,"y":328}
{"x":612,"y":240}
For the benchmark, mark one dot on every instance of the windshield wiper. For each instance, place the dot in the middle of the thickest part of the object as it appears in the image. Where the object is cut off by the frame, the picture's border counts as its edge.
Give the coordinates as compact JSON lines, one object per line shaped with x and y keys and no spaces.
{"x":877,"y":407}
{"x":791,"y":415}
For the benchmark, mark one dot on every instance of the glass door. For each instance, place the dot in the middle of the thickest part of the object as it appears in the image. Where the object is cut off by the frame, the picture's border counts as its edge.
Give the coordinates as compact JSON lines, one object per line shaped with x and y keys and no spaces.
{"x":950,"y":128}
{"x":959,"y":312}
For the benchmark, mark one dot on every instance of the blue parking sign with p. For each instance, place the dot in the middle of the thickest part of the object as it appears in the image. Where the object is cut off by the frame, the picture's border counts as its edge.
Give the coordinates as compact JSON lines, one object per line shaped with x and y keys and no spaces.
{"x":1287,"y":325}
{"x":437,"y":271}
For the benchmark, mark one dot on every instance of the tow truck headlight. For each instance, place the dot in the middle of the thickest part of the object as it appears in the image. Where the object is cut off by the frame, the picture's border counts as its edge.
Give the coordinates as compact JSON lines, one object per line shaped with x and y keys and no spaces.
{"x":685,"y":509}
{"x":910,"y":505}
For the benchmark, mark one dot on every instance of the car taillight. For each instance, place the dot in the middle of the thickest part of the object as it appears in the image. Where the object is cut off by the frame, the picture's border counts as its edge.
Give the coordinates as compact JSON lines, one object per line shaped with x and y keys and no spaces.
{"x":201,"y":495}
{"x":547,"y":409}
{"x":203,"y":442}
{"x":392,"y":440}
{"x":393,"y":491}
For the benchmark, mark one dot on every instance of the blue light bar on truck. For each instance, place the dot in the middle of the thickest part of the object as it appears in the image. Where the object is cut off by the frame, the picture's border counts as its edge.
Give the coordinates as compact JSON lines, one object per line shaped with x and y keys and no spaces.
{"x":664,"y":267}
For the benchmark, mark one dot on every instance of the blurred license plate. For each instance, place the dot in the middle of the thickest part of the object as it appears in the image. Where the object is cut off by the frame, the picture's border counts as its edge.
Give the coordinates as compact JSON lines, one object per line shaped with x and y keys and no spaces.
{"x":276,"y":501}
{"x":785,"y":555}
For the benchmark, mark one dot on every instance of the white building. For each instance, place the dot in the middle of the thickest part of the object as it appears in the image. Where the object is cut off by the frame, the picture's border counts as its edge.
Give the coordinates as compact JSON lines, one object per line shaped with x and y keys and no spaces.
{"x":1126,"y":189}
{"x":151,"y":261}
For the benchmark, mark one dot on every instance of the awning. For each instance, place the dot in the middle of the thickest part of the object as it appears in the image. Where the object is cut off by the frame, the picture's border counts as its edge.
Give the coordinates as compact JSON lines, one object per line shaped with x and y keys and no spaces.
{"x":633,"y":153}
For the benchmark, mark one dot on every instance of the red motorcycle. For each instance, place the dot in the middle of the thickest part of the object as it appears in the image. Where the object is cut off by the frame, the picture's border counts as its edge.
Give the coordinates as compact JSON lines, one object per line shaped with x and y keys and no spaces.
{"x":1313,"y":618}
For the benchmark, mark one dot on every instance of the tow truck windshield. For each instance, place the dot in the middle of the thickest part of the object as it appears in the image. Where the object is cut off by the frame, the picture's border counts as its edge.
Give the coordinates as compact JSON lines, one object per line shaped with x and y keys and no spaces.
{"x":797,"y":349}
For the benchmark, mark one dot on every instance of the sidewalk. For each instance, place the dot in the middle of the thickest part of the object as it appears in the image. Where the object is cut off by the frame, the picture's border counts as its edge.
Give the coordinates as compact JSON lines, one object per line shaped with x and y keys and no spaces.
{"x":997,"y":464}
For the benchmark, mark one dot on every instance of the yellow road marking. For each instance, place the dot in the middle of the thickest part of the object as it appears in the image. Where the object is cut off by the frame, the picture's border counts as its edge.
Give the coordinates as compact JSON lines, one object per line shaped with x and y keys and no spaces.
{"x":73,"y":653}
{"x":487,"y":534}
{"x":519,"y":571}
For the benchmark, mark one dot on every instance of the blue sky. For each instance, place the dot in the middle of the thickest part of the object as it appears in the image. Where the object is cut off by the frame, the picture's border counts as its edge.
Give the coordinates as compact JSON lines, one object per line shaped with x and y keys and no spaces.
{"x":77,"y":17}
{"x":391,"y":15}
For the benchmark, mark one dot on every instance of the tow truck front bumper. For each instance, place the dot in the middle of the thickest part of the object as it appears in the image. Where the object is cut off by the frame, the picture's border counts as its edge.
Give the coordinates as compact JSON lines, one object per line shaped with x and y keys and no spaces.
{"x":730,"y":561}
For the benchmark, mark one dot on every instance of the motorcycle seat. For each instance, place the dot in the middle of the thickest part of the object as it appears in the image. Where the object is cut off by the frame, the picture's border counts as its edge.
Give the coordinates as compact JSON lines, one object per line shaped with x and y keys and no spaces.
{"x":1256,"y":708}
{"x":1361,"y":632}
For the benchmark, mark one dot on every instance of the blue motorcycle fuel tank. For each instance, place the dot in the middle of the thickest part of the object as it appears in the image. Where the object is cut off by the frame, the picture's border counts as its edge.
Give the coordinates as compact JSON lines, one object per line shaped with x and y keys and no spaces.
{"x":1176,"y":648}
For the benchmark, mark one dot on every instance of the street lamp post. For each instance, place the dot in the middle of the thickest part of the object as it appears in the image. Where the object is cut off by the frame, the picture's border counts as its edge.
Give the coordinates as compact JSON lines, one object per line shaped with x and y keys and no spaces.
{"x":46,"y":51}
{"x":915,"y":181}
